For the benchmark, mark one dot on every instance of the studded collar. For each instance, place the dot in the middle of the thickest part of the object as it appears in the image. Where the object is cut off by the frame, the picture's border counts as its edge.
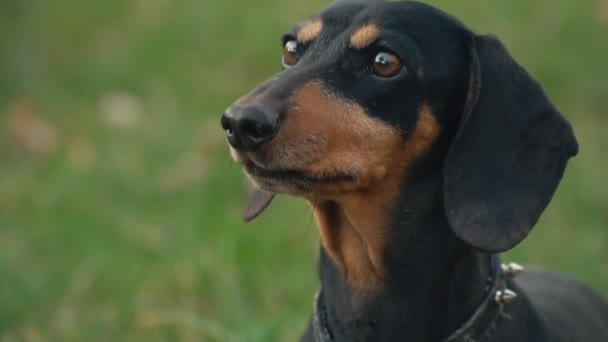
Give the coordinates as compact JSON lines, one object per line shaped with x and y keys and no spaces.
{"x":477,"y":328}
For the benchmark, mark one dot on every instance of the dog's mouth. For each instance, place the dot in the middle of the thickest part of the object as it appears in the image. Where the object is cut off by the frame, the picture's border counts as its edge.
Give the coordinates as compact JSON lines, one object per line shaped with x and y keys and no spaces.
{"x":274,"y":179}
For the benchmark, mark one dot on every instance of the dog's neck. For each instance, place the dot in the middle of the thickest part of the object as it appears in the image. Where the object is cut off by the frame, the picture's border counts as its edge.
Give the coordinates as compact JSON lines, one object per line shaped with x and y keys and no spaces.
{"x":430,"y":284}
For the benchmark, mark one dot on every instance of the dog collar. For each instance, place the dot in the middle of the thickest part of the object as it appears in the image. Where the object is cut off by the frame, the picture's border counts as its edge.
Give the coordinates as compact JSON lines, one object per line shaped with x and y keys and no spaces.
{"x":477,"y":328}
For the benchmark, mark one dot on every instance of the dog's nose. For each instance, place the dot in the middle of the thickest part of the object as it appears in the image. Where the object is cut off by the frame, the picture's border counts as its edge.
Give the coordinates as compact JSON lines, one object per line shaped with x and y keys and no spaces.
{"x":249,"y":127}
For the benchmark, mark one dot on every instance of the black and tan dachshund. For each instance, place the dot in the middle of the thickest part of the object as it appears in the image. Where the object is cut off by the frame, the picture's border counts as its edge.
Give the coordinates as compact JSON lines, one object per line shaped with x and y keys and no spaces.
{"x":423,"y":150}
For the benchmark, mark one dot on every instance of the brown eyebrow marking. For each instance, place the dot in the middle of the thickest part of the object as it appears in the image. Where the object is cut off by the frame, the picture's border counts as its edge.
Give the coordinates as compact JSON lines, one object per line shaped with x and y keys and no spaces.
{"x":364,"y":36}
{"x":310,"y":30}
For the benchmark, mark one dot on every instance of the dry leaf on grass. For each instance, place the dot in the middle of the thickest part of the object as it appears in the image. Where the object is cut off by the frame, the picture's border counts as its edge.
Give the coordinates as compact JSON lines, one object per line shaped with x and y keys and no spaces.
{"x":30,"y":131}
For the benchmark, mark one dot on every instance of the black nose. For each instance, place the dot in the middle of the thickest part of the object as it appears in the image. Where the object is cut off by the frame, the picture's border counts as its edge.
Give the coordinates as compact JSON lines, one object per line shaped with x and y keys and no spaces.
{"x":249,"y":126}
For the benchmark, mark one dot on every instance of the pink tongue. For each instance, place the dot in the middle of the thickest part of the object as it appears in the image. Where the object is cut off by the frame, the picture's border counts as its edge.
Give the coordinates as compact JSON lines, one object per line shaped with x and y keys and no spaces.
{"x":258,"y":201}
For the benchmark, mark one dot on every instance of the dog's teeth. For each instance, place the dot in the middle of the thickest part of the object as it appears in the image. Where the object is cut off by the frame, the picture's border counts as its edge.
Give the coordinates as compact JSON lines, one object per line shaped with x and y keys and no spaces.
{"x":505,"y":297}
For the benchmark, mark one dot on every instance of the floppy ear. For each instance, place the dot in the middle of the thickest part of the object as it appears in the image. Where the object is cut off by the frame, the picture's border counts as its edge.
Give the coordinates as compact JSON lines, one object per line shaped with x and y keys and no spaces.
{"x":258,"y":202}
{"x":508,"y":155}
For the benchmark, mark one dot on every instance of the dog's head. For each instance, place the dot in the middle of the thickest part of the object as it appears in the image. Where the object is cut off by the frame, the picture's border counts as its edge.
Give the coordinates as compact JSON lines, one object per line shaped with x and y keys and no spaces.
{"x":368,"y":89}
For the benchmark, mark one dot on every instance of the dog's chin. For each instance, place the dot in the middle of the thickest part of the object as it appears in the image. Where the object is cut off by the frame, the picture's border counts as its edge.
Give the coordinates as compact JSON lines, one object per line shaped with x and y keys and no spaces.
{"x":293,"y":182}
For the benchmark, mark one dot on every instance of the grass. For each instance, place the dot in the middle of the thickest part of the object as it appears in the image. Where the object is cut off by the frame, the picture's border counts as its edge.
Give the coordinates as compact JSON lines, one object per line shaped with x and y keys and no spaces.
{"x":119,"y":205}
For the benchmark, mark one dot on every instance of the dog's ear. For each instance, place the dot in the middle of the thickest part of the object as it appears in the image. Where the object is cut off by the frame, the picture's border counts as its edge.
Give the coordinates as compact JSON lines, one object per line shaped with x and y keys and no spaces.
{"x":508,"y":155}
{"x":258,"y":202}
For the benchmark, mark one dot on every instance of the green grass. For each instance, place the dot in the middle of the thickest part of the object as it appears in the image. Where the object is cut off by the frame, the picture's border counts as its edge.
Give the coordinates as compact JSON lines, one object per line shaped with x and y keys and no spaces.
{"x":131,"y":230}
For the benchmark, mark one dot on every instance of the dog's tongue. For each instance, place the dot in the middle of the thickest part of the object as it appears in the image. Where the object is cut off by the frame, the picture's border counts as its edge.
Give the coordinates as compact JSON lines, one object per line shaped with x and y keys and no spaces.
{"x":258,"y":201}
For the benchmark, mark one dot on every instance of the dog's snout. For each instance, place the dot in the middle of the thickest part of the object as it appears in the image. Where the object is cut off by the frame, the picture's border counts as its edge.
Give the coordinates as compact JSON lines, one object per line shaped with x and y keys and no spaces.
{"x":249,"y":127}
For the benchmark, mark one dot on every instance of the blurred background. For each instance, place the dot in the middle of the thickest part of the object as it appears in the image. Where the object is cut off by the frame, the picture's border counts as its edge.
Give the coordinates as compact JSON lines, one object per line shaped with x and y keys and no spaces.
{"x":119,"y":205}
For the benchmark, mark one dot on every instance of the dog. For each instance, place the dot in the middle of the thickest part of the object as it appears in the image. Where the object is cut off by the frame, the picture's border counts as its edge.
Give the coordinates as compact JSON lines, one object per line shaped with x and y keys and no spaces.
{"x":424,"y":150}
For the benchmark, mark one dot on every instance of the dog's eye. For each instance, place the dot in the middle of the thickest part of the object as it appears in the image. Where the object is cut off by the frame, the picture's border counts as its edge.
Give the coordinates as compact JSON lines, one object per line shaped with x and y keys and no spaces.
{"x":290,"y":53}
{"x":386,"y":64}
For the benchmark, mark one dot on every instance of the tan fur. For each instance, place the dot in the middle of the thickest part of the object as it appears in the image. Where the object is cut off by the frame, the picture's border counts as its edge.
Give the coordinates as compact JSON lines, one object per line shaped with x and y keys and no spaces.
{"x":325,"y":134}
{"x":310,"y":30}
{"x":354,"y":225}
{"x":364,"y":36}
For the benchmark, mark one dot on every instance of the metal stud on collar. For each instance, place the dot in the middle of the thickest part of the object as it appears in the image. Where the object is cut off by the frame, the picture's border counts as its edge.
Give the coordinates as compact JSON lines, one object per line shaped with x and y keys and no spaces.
{"x":511,"y":269}
{"x":505,"y":296}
